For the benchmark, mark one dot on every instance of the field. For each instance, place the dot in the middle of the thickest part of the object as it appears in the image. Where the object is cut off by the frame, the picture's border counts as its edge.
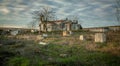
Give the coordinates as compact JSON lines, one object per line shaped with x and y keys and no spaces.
{"x":60,"y":51}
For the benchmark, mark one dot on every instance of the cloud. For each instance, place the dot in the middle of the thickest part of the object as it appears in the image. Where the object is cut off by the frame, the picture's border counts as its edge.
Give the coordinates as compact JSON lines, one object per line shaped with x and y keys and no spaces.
{"x":5,"y":11}
{"x":88,"y":11}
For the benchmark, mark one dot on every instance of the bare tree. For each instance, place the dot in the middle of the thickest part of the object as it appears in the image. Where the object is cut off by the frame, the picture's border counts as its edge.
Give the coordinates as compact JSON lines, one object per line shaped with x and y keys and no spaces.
{"x":43,"y":16}
{"x":118,"y":10}
{"x":32,"y":24}
{"x":73,"y":18}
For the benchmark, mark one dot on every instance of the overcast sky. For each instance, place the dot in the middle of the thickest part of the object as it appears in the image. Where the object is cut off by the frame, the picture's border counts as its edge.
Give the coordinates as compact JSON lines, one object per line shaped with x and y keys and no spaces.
{"x":91,"y":13}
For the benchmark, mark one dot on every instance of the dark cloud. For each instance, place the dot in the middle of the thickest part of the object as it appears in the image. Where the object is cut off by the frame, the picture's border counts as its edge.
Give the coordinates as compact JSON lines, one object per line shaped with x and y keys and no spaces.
{"x":88,"y":11}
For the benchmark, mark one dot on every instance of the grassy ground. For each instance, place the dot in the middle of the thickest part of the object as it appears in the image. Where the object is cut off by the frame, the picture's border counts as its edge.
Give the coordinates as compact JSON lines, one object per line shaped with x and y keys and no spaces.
{"x":61,"y":51}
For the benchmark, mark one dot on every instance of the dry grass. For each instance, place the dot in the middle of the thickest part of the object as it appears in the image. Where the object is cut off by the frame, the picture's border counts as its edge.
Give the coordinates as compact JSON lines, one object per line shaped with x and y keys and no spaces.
{"x":71,"y":49}
{"x":111,"y":48}
{"x":112,"y":45}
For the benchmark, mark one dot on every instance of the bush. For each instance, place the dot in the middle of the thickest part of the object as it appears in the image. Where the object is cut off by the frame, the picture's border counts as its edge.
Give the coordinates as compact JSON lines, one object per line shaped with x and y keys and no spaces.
{"x":18,"y":61}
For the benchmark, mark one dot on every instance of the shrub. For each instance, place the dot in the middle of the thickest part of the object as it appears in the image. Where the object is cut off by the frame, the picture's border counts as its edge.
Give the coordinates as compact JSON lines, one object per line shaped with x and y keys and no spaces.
{"x":18,"y":61}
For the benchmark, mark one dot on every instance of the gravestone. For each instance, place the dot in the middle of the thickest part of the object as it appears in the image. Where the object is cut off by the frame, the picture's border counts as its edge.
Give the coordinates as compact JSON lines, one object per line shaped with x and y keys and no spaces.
{"x":70,"y":32}
{"x":40,"y":37}
{"x":32,"y":31}
{"x":82,"y":37}
{"x":63,"y":55}
{"x":66,"y":33}
{"x":45,"y":35}
{"x":100,"y":37}
{"x":15,"y":32}
{"x":42,"y":43}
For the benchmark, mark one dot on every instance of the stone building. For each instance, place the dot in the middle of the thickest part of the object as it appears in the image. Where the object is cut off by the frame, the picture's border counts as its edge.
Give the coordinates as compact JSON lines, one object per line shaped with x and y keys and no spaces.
{"x":59,"y":25}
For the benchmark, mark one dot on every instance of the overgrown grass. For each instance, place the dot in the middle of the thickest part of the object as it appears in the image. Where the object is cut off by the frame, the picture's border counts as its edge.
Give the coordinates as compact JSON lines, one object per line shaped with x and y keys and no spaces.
{"x":64,"y":51}
{"x":62,"y":55}
{"x":18,"y":61}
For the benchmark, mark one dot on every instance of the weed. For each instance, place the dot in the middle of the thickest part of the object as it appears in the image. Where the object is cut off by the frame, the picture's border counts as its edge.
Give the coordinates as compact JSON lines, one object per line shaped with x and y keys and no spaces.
{"x":18,"y":61}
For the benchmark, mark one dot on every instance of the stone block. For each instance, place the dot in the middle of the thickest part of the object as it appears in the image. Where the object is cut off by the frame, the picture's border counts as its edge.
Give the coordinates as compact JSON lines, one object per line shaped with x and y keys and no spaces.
{"x":66,"y":33}
{"x":100,"y":37}
{"x":40,"y":37}
{"x":82,"y":37}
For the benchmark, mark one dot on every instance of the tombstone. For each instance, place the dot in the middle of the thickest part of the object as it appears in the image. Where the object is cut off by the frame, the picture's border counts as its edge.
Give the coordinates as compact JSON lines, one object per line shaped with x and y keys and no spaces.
{"x":63,"y":55}
{"x":100,"y":37}
{"x":39,"y":37}
{"x":66,"y":33}
{"x":45,"y":35}
{"x":43,"y":43}
{"x":82,"y":37}
{"x":70,"y":32}
{"x":32,"y":31}
{"x":15,"y":32}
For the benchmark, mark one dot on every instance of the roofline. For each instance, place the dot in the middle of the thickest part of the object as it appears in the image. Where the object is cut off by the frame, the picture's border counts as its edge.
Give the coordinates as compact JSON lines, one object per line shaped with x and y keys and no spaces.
{"x":14,"y":28}
{"x":102,"y":27}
